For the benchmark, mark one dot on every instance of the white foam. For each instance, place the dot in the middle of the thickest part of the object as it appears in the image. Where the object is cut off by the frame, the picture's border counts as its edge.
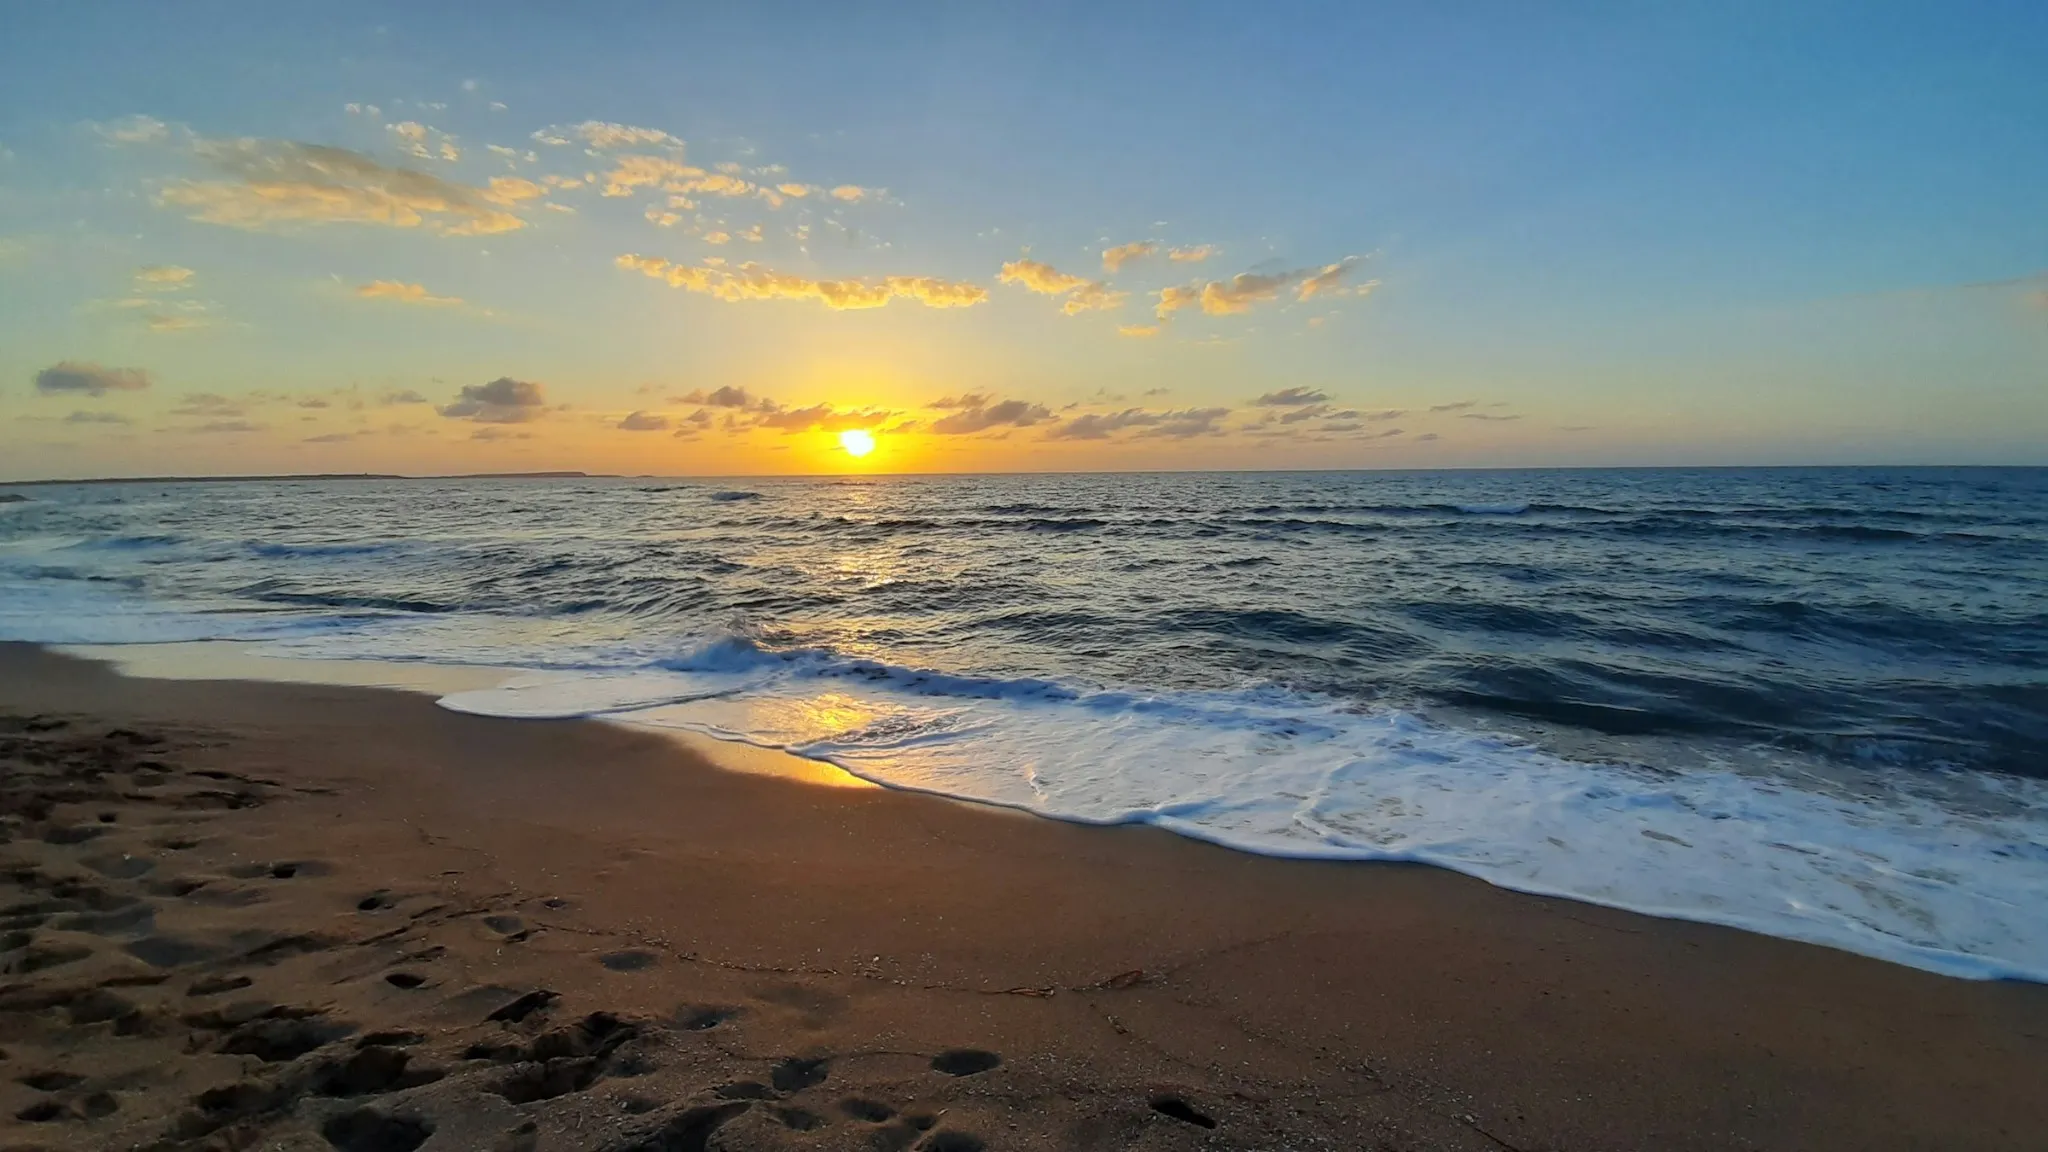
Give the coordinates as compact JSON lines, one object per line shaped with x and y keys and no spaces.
{"x":1886,"y":872}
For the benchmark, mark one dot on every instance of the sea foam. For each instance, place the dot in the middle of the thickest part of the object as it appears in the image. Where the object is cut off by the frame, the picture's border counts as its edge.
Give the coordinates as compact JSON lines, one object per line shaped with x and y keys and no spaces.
{"x":1882,"y":871}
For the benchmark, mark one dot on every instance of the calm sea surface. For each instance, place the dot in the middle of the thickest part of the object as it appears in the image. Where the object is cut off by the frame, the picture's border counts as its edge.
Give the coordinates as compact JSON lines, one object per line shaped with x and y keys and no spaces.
{"x":1808,"y":702}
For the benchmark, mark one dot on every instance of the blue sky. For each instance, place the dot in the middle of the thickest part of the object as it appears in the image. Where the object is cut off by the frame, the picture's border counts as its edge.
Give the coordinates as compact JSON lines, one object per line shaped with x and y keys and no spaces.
{"x":1731,"y":233}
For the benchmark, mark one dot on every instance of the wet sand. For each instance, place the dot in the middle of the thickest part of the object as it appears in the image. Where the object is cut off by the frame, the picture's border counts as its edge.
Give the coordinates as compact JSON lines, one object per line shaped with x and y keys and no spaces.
{"x":258,"y":915}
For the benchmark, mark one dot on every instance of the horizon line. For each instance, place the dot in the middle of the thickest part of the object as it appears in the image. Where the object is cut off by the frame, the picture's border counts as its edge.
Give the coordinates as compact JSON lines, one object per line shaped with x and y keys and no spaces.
{"x":570,"y":474}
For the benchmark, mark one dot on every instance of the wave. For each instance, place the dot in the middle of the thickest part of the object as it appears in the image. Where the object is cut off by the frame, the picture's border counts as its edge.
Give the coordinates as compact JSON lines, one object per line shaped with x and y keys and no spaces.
{"x":733,"y":495}
{"x":1886,"y":872}
{"x":293,"y":551}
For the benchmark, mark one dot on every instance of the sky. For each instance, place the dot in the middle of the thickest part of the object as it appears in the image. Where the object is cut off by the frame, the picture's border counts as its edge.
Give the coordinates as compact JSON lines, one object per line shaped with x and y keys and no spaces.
{"x":709,"y":240}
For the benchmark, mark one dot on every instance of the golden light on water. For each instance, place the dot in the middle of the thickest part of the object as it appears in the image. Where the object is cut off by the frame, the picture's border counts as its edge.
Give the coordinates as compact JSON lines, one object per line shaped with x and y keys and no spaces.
{"x":857,"y":441}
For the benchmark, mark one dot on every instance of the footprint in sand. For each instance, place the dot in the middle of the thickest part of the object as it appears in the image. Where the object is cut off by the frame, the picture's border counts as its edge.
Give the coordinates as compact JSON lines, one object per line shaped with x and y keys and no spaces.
{"x":630,"y":960}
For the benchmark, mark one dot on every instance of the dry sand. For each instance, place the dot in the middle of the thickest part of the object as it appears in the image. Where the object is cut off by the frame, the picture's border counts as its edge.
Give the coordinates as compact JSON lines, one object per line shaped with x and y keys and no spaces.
{"x":243,"y":915}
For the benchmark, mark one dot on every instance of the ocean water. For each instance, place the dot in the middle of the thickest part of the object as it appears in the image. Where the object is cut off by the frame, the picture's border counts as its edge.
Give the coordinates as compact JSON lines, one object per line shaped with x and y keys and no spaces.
{"x":1807,"y":702}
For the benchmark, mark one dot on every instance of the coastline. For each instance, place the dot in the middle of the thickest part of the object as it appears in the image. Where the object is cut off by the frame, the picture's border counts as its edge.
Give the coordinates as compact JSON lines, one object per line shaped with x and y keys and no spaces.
{"x":1113,"y":970}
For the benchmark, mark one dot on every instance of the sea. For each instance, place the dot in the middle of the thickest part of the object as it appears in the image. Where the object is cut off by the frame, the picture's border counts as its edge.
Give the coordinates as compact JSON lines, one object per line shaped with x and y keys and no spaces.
{"x":1811,"y":703}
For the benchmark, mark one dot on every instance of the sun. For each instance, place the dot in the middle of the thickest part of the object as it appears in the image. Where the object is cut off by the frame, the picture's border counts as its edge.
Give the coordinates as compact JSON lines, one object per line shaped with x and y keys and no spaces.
{"x":857,"y":441}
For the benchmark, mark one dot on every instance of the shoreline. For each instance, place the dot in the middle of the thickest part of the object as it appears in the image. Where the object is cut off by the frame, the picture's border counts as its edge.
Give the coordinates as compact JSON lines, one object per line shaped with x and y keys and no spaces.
{"x":1113,"y":970}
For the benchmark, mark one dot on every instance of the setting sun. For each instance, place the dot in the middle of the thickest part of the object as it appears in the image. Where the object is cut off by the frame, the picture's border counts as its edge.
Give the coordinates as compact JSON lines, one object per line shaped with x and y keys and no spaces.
{"x":857,"y":441}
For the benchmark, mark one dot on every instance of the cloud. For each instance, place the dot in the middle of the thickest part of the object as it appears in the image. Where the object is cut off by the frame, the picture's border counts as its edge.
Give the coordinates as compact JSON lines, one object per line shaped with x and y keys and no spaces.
{"x":82,"y":377}
{"x":495,"y":432}
{"x":600,"y":134}
{"x":278,"y":182}
{"x":226,"y":426}
{"x":313,"y":402}
{"x":513,"y":189}
{"x":329,"y":438}
{"x":1176,"y":425}
{"x":1455,"y":406}
{"x":632,"y":172}
{"x":1093,"y":297}
{"x":1192,"y":254}
{"x":1292,"y":398}
{"x":750,"y":281}
{"x":502,"y":401}
{"x":976,"y":414}
{"x":403,"y":293}
{"x":644,"y":422}
{"x":406,"y":396}
{"x":1484,"y":416}
{"x":823,"y":417}
{"x":163,"y":278}
{"x":726,"y":397}
{"x":1240,"y":292}
{"x":97,"y":418}
{"x":207,"y":404}
{"x":1039,"y":277}
{"x":419,"y":140}
{"x":1083,"y":294}
{"x":1113,"y":259}
{"x":134,"y":130}
{"x":1384,"y":414}
{"x":852,"y":193}
{"x":1140,"y":331}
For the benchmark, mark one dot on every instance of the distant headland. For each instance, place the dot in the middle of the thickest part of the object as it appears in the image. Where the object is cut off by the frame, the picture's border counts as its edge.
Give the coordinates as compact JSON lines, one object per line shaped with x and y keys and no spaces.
{"x":312,"y":476}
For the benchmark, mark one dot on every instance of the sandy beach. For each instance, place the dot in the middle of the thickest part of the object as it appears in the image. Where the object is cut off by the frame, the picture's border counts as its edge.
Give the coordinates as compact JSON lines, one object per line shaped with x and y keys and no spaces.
{"x":259,"y":915}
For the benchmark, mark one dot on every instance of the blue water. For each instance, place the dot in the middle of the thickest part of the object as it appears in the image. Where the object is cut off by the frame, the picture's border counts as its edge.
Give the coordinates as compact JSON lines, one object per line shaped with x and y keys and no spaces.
{"x":1810,"y":702}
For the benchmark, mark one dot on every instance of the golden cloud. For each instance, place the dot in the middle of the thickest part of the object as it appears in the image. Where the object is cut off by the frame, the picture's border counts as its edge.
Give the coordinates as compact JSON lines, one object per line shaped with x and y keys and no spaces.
{"x":403,"y":293}
{"x":1113,"y":259}
{"x":1083,"y":294}
{"x":636,"y":171}
{"x":750,"y":281}
{"x":1192,"y":254}
{"x":510,"y":190}
{"x":852,"y":193}
{"x":163,"y":278}
{"x":278,"y":182}
{"x":1139,"y":331}
{"x":600,"y":134}
{"x":417,"y":139}
{"x":1242,"y":291}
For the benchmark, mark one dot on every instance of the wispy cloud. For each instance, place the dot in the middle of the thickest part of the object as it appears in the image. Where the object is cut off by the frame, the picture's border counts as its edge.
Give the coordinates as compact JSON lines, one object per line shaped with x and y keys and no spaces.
{"x":1192,"y":254}
{"x":750,"y":281}
{"x":822,"y":417}
{"x":1292,"y":398}
{"x":1242,"y":291}
{"x":423,"y":142}
{"x":163,"y":278}
{"x":643,"y":422}
{"x":603,"y":135}
{"x":1177,"y":425}
{"x":134,"y":130}
{"x":403,"y":293}
{"x":725,"y":397}
{"x":276,"y":183}
{"x":1139,"y":331}
{"x":1454,"y":406}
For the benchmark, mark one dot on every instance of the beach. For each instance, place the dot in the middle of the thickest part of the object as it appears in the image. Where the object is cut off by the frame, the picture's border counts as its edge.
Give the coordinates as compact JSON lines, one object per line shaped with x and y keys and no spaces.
{"x":245,"y":914}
